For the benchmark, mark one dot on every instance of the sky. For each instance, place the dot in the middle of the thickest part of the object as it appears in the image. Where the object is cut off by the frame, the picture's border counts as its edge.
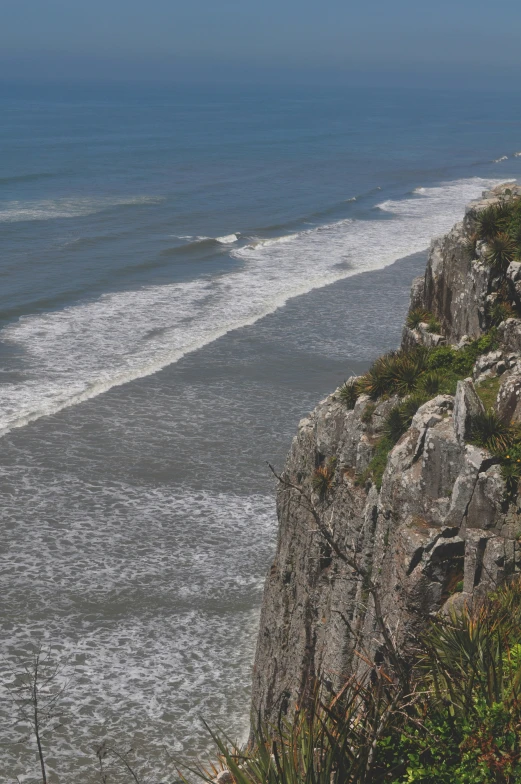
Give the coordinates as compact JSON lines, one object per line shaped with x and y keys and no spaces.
{"x":402,"y":42}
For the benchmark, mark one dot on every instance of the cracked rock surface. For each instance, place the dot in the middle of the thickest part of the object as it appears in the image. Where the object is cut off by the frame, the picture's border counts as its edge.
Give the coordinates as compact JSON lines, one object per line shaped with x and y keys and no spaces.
{"x":440,"y":530}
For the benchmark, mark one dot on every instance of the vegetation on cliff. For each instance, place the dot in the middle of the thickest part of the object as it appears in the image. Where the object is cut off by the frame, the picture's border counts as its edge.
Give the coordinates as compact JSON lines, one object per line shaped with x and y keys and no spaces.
{"x":433,"y":677}
{"x":452,"y":715}
{"x":421,"y":372}
{"x":416,"y":376}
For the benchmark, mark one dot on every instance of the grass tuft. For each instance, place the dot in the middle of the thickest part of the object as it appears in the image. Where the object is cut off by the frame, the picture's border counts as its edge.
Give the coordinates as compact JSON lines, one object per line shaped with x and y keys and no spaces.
{"x":434,"y":326}
{"x":488,"y":390}
{"x":367,"y":415}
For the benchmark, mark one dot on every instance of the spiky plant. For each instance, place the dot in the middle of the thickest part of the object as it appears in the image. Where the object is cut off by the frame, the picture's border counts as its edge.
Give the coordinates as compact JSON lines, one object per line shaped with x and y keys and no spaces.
{"x":405,"y":376}
{"x":469,"y":655}
{"x":399,"y":419}
{"x":349,"y":394}
{"x":394,"y":426}
{"x":501,"y":250}
{"x":410,"y":406}
{"x":486,"y":222}
{"x":323,"y":479}
{"x":407,"y":371}
{"x":431,"y":382}
{"x":416,"y":317}
{"x":491,"y":221}
{"x":492,"y":432}
{"x":377,"y":381}
{"x":329,"y":740}
{"x":395,"y":373}
{"x":500,"y":311}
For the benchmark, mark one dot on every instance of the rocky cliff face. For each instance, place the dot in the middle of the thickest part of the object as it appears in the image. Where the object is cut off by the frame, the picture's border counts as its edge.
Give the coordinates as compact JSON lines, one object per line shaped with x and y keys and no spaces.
{"x":442,"y":526}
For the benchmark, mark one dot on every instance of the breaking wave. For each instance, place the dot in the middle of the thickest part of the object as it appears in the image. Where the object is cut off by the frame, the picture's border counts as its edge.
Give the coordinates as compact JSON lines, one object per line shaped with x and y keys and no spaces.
{"x":77,"y":353}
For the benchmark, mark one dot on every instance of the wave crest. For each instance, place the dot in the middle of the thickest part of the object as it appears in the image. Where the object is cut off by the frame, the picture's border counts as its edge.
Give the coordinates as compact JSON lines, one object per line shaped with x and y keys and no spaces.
{"x":77,"y":353}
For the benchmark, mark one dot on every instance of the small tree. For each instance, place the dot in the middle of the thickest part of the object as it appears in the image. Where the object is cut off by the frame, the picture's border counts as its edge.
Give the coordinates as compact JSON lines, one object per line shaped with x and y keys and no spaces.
{"x":36,"y":692}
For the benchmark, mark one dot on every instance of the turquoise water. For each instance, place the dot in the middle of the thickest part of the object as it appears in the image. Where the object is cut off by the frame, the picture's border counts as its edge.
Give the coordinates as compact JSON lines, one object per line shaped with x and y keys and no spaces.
{"x":184,"y":274}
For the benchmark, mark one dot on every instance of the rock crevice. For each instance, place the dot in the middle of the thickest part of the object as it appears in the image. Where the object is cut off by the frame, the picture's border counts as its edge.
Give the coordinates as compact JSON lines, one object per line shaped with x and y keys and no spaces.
{"x":441,"y":529}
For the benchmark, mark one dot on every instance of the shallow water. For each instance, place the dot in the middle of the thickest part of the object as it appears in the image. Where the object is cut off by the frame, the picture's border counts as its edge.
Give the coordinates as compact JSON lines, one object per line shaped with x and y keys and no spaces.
{"x":138,"y":526}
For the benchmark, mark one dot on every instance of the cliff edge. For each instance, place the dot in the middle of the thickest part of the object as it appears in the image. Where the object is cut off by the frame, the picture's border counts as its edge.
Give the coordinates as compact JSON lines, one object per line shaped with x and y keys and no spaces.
{"x":432,"y":516}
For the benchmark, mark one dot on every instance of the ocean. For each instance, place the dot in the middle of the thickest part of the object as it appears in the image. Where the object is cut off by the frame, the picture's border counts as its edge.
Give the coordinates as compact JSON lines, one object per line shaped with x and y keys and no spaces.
{"x":185,"y":272}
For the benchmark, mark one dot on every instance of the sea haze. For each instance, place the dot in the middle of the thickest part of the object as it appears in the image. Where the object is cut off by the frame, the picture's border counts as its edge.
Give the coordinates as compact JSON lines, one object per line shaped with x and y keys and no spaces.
{"x":185,"y":273}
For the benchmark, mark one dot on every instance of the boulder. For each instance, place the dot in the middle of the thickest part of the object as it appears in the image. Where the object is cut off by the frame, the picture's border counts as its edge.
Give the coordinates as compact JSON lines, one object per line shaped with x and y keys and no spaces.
{"x":510,"y":335}
{"x":508,"y":403}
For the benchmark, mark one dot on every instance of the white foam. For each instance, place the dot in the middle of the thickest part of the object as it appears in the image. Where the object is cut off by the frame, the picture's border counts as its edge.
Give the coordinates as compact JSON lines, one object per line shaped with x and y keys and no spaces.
{"x":517,"y":155}
{"x":49,"y":209}
{"x":258,"y":243}
{"x":499,"y":160}
{"x":228,"y":239}
{"x":157,"y":629}
{"x":77,"y":353}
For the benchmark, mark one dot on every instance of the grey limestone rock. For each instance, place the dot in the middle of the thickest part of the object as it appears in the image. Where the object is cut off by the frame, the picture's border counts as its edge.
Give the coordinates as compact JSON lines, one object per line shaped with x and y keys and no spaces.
{"x":508,"y":403}
{"x":441,"y":515}
{"x":510,"y":335}
{"x":467,"y":406}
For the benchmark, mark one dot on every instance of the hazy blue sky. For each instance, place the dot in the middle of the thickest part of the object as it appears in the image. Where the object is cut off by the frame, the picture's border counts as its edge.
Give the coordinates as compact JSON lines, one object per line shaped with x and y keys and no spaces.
{"x":402,"y":41}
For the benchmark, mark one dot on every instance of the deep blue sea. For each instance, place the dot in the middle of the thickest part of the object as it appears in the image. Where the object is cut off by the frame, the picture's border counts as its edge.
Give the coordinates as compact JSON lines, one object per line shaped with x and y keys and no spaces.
{"x":185,"y":272}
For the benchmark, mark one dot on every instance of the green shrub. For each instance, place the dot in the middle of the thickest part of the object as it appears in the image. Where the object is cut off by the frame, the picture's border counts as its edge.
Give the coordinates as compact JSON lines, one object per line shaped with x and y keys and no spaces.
{"x":500,"y":311}
{"x":488,"y":390}
{"x":375,"y":469}
{"x":367,"y":415}
{"x":441,"y":358}
{"x":464,"y":362}
{"x":456,"y":720}
{"x":486,"y":343}
{"x":349,"y":394}
{"x":431,"y":382}
{"x":434,"y":325}
{"x":424,"y":371}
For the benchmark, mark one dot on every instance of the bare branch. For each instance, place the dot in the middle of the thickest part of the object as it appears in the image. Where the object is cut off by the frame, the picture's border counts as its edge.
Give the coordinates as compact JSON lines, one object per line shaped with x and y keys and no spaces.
{"x":390,"y":646}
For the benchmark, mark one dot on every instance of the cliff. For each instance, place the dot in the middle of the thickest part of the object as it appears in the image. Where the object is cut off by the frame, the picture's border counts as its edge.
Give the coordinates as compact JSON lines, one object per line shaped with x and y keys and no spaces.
{"x":439,"y":526}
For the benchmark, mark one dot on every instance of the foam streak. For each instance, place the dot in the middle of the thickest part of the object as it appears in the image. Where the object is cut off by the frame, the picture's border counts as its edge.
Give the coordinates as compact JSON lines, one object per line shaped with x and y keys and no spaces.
{"x":82,"y":351}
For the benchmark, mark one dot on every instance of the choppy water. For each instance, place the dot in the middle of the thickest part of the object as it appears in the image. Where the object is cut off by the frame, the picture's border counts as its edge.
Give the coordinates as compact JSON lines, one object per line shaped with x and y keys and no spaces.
{"x":183,"y":276}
